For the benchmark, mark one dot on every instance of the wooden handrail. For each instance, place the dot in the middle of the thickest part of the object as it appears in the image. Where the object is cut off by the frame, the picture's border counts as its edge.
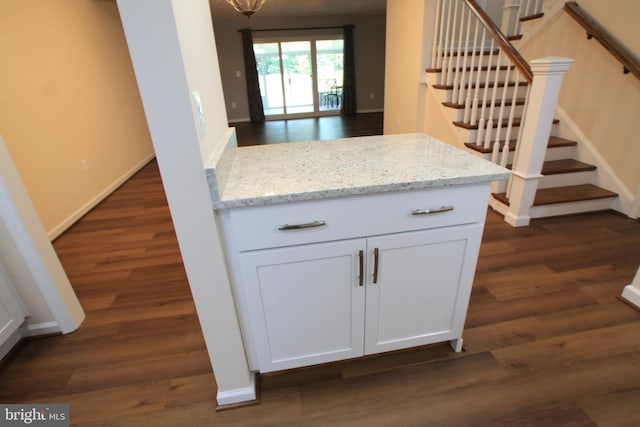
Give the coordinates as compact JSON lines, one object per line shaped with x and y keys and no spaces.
{"x":630,"y":62}
{"x":505,"y":45}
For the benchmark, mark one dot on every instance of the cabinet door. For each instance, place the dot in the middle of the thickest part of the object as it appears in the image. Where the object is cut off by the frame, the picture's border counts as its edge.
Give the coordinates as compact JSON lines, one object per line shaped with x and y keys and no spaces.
{"x":305,"y":303}
{"x":422,"y":289}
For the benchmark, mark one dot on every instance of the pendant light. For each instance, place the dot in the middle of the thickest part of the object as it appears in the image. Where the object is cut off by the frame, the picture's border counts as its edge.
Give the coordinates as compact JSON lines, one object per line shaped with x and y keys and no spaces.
{"x":247,"y":7}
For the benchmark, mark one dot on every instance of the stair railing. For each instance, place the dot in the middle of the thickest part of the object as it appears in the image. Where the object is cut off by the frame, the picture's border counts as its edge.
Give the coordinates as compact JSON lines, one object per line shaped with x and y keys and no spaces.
{"x":468,"y":47}
{"x":504,"y":105}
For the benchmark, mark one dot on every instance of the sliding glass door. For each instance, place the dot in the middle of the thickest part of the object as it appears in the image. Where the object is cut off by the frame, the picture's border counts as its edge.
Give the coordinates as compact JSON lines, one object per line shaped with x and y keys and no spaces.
{"x":300,"y":78}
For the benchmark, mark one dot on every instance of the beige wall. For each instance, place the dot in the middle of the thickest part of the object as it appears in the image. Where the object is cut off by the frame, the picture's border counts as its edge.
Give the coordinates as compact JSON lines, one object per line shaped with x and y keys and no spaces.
{"x":69,"y":94}
{"x":601,"y":100}
{"x":369,"y":46}
{"x":404,"y":68}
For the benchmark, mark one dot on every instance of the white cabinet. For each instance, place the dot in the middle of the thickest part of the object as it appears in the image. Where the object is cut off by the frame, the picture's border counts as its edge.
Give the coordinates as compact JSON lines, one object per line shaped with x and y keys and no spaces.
{"x":345,"y":284}
{"x":421,"y":290}
{"x":305,"y":303}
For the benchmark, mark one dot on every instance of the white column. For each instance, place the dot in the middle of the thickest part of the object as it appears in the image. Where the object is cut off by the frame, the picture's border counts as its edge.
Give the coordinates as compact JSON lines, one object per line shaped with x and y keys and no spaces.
{"x":631,"y":292}
{"x":173,"y":51}
{"x":543,"y":97}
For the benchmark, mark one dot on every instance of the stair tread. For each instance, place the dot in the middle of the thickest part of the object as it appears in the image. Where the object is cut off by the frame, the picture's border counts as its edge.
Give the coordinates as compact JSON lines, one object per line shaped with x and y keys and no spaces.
{"x":572,"y":193}
{"x":508,"y":103}
{"x":555,"y":167}
{"x":531,"y":17}
{"x":556,"y":141}
{"x":478,"y":52}
{"x":481,"y":85}
{"x":472,"y":146}
{"x":514,"y":37}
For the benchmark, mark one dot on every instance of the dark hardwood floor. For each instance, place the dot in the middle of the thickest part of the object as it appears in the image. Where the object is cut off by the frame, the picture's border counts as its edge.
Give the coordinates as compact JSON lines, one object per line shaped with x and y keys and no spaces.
{"x":547,"y":341}
{"x":320,"y":128}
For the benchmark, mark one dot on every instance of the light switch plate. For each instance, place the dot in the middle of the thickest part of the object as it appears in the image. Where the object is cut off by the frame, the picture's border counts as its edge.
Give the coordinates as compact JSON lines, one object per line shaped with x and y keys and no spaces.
{"x":197,"y":105}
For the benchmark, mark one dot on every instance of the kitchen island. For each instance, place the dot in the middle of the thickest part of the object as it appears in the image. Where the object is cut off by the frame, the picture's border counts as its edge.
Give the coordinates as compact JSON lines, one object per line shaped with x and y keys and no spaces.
{"x":344,"y":248}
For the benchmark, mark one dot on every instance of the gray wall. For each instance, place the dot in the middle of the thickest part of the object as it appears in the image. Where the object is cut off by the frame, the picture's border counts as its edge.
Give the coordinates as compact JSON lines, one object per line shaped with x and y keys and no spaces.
{"x":369,"y":42}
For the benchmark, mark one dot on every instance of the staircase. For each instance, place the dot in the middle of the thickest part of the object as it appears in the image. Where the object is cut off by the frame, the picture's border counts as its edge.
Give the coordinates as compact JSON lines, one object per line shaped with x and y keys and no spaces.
{"x":484,"y":93}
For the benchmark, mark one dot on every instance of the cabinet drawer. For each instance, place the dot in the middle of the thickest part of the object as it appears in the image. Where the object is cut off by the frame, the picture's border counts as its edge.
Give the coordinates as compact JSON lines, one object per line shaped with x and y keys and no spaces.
{"x":260,"y":227}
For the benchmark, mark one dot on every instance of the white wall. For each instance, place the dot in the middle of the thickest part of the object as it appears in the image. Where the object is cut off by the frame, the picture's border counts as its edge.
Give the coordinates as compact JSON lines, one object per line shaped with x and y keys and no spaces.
{"x":30,"y":261}
{"x":173,"y":51}
{"x":405,"y":63}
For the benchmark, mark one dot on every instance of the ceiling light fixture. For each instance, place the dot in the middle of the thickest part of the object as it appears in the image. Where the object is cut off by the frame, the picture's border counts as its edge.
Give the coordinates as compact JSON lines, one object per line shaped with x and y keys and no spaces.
{"x":247,"y":7}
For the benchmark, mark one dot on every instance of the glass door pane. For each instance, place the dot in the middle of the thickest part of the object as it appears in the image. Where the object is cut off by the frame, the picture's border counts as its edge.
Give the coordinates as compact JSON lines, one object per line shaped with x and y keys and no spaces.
{"x":330,"y":61}
{"x":297,"y":77}
{"x":270,"y":77}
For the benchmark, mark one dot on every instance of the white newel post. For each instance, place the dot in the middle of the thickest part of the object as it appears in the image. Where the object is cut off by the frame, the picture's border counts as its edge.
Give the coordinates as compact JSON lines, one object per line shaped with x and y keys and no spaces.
{"x":543,"y":97}
{"x":510,"y":17}
{"x":631,"y":292}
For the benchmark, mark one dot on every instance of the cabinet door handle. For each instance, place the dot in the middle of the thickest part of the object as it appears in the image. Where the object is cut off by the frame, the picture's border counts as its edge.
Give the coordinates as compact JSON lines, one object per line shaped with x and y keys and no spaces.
{"x":302,"y":226}
{"x":361,"y":280}
{"x":375,"y":265}
{"x":432,"y":211}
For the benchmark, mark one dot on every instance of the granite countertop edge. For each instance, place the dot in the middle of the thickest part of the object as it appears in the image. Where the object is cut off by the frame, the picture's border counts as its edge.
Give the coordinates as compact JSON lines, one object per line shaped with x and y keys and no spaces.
{"x":315,"y":170}
{"x":342,"y":192}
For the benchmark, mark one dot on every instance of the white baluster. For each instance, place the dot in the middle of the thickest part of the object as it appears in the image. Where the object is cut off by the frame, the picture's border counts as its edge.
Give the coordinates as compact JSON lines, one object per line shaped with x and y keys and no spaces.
{"x":474,"y":104}
{"x":446,"y":54}
{"x":512,"y":113}
{"x":503,"y":100}
{"x":494,"y":92}
{"x":436,"y":39}
{"x":467,"y":103}
{"x":495,"y":152}
{"x":460,"y":51}
{"x":453,"y":48}
{"x":463,"y":79}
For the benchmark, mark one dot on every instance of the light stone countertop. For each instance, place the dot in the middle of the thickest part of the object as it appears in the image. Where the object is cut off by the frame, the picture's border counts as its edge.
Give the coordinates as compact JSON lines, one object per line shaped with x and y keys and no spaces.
{"x":280,"y":173}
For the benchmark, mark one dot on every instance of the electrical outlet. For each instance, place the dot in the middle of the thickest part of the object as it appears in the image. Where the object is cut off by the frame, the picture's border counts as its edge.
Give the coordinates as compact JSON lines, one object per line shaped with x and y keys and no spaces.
{"x":234,"y":105}
{"x":85,"y":165}
{"x":372,"y":95}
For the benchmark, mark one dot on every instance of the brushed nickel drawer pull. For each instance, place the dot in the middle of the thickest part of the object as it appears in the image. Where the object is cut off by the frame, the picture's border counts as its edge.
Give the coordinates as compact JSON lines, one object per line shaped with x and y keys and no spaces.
{"x":361,"y":280}
{"x":302,"y":226}
{"x":375,"y":265}
{"x":432,"y":211}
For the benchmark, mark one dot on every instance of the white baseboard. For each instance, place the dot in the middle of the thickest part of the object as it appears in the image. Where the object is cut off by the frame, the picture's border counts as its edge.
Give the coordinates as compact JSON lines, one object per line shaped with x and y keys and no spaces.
{"x":240,"y":120}
{"x":35,"y":329}
{"x":631,"y":294}
{"x":71,"y":219}
{"x":239,"y":395}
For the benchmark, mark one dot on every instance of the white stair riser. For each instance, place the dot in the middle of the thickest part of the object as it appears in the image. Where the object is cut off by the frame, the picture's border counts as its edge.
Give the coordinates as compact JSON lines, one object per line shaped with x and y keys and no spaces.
{"x":479,"y":96}
{"x":457,"y":114}
{"x":486,"y":60}
{"x":560,"y":153}
{"x":571,"y":208}
{"x":473,"y":77}
{"x":566,"y":179}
